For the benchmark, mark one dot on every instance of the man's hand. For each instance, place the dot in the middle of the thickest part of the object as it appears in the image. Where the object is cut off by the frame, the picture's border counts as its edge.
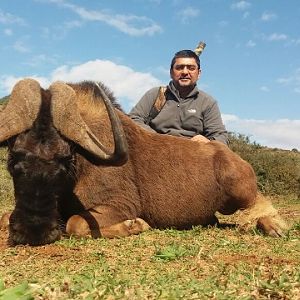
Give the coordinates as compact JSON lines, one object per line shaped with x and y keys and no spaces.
{"x":200,"y":139}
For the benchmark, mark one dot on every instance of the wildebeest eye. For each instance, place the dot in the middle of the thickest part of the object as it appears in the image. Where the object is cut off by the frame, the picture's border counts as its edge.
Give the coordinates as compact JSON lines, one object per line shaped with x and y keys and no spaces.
{"x":63,"y":158}
{"x":18,"y":168}
{"x":16,"y":162}
{"x":18,"y":155}
{"x":65,"y":161}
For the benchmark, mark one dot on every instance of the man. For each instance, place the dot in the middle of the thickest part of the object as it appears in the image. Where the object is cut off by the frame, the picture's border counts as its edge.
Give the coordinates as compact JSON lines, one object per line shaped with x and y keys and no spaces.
{"x":188,"y":111}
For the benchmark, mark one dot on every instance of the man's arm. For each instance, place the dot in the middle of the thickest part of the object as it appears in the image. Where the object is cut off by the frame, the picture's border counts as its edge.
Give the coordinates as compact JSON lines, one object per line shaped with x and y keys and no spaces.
{"x":214,"y":128}
{"x":140,"y":112}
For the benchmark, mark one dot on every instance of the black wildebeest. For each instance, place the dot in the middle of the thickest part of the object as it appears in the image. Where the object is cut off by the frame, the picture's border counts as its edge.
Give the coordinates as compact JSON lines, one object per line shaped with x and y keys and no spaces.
{"x":76,"y":158}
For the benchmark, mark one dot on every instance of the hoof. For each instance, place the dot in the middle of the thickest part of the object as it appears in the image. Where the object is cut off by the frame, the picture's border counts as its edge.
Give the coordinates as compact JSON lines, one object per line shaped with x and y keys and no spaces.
{"x":136,"y":226}
{"x":125,"y":228}
{"x":271,"y":226}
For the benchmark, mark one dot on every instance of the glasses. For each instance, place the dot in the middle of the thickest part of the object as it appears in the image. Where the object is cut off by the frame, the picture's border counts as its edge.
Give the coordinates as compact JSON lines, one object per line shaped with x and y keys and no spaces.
{"x":182,"y":67}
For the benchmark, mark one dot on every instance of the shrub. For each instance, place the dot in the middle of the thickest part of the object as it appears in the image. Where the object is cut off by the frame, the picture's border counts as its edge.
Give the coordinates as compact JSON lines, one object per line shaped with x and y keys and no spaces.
{"x":277,"y":171}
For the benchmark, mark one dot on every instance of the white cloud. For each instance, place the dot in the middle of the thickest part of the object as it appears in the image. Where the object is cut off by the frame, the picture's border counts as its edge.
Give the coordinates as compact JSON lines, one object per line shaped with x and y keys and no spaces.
{"x":156,"y":1}
{"x":295,"y":41}
{"x":127,"y":85}
{"x":60,"y":31}
{"x":265,"y":17}
{"x":7,"y":18}
{"x":297,"y":90}
{"x":20,"y":46}
{"x":292,"y":81}
{"x":246,"y":14}
{"x":128,"y":24}
{"x":229,"y":118}
{"x":72,"y":24}
{"x":188,"y":13}
{"x":282,"y":133}
{"x":41,"y":59}
{"x":223,"y":23}
{"x":7,"y":82}
{"x":277,"y":37}
{"x":123,"y":81}
{"x":264,"y":89}
{"x":8,"y":32}
{"x":241,"y":5}
{"x":251,"y":44}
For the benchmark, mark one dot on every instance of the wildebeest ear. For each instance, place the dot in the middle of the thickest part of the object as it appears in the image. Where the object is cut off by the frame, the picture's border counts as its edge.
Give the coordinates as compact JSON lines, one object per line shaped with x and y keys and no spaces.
{"x":68,"y":121}
{"x":21,"y":110}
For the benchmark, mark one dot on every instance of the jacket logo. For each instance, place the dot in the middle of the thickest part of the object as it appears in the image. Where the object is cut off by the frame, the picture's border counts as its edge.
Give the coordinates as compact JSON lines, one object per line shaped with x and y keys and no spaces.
{"x":192,"y":110}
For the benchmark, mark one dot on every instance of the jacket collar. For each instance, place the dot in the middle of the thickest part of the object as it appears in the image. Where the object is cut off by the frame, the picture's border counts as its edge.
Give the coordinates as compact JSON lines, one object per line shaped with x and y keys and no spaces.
{"x":193,"y":94}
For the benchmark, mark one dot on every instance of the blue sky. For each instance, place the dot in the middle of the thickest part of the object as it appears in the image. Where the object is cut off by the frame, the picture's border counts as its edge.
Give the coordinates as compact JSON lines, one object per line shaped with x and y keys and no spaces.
{"x":251,"y":64}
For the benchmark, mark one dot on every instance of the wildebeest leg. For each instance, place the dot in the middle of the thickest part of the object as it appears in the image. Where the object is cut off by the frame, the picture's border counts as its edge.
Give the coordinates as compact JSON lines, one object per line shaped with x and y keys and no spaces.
{"x":264,"y":216}
{"x":239,"y":182}
{"x":96,"y":224}
{"x":4,"y":220}
{"x":256,"y":211}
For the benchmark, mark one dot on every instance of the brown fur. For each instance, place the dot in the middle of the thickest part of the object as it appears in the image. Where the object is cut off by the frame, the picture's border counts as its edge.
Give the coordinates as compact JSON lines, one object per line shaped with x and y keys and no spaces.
{"x":168,"y":181}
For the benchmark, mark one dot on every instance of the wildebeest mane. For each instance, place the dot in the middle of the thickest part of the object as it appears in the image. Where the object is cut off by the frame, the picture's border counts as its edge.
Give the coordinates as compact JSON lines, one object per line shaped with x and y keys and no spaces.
{"x":87,"y":86}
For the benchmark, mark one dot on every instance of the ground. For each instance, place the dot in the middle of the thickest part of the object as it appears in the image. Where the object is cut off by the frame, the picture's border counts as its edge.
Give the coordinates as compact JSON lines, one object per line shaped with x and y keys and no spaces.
{"x":202,"y":263}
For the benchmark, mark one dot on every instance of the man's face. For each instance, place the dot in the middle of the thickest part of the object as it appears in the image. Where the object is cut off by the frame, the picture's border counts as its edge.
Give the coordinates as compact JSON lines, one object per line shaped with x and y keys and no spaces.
{"x":185,"y":72}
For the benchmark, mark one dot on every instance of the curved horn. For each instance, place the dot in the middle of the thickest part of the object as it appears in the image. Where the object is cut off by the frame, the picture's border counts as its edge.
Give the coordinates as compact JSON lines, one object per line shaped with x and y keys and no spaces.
{"x":67,"y":120}
{"x":21,"y":110}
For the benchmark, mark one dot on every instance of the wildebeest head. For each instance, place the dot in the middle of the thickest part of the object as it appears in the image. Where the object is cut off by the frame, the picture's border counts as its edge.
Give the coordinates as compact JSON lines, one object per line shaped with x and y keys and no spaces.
{"x":42,"y":129}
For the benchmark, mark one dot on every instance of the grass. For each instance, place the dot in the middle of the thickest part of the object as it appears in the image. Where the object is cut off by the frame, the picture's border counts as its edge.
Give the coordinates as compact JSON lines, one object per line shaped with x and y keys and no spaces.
{"x":197,"y":264}
{"x":202,"y":263}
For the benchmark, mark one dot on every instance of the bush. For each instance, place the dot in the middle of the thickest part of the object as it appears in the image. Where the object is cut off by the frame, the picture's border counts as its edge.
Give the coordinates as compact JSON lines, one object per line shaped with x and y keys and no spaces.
{"x":277,"y":171}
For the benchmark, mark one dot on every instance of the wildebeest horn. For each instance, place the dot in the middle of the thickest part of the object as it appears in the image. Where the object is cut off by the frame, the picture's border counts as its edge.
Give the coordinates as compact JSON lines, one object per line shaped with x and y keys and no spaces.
{"x":67,"y":120}
{"x":21,"y":110}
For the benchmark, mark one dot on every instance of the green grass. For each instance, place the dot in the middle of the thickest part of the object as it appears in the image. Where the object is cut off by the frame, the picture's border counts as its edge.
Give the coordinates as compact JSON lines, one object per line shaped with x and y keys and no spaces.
{"x":20,"y":292}
{"x":202,"y":263}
